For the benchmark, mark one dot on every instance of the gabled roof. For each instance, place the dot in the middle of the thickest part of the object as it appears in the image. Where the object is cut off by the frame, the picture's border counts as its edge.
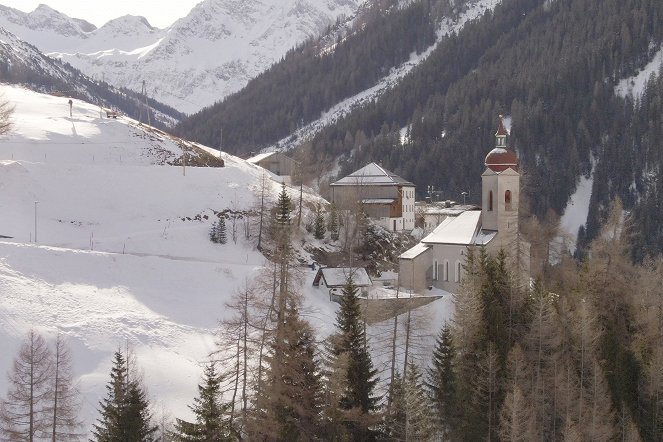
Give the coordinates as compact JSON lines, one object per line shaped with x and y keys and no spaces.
{"x":261,"y":156}
{"x":461,"y":230}
{"x":372,"y":175}
{"x":338,"y":276}
{"x":415,"y":251}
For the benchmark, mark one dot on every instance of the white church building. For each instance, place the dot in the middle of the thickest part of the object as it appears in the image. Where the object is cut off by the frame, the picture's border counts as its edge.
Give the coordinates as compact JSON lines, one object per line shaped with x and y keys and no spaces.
{"x":437,"y":261}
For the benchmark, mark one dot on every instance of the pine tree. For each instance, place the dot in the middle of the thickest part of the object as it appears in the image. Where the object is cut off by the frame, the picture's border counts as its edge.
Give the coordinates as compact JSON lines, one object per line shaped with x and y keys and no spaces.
{"x":419,"y":421}
{"x":360,"y":373}
{"x":125,"y":411}
{"x":319,"y":228}
{"x":221,"y":234}
{"x":332,"y":225}
{"x":24,"y":413}
{"x":211,"y":424}
{"x":291,"y":402}
{"x":441,"y":380}
{"x":397,"y":412}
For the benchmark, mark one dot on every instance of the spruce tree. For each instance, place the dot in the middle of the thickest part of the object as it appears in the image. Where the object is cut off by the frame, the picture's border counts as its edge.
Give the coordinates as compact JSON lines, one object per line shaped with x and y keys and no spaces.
{"x":210,"y":413}
{"x":419,"y":421}
{"x":359,"y":395}
{"x":319,"y":228}
{"x":125,"y":410}
{"x":332,"y":225}
{"x":441,"y":380}
{"x":291,"y":403}
{"x":221,"y":235}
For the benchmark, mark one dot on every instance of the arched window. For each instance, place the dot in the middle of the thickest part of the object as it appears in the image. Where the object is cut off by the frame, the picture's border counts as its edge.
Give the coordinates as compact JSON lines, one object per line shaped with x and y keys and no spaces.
{"x":446,"y":270}
{"x":507,"y":200}
{"x":490,"y":201}
{"x":435,"y":271}
{"x":458,"y":270}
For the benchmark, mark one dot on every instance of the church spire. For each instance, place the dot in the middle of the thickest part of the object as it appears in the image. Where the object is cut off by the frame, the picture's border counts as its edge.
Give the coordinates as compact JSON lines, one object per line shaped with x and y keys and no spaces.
{"x":500,"y":135}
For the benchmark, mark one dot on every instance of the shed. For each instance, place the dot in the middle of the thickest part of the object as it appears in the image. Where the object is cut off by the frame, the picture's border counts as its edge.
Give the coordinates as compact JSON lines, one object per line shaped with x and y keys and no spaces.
{"x":336,"y":277}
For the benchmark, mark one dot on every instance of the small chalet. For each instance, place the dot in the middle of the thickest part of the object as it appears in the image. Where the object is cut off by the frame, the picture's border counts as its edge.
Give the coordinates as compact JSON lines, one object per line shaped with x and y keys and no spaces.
{"x":384,"y":196}
{"x":336,"y":278}
{"x":276,"y":162}
{"x":437,"y":261}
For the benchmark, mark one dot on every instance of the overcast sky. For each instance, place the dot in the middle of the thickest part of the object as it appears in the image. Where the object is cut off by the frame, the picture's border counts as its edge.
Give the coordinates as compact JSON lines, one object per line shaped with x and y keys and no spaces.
{"x":159,"y":13}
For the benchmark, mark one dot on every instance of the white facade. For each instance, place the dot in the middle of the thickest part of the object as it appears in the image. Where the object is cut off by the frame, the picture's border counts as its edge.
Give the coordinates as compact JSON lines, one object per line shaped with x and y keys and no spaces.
{"x":438,"y":259}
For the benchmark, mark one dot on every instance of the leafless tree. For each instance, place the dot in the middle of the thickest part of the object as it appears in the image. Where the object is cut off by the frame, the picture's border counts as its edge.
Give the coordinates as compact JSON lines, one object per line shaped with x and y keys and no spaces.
{"x":65,"y":400}
{"x":24,"y":414}
{"x":6,"y":113}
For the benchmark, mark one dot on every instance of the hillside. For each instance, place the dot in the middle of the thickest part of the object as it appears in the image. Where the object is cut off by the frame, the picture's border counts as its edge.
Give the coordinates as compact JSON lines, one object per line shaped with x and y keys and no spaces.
{"x":122,"y":255}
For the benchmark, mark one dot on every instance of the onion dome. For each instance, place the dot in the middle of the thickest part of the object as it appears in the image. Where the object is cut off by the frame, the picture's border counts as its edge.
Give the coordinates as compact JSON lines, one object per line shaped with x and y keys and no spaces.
{"x":501,"y":157}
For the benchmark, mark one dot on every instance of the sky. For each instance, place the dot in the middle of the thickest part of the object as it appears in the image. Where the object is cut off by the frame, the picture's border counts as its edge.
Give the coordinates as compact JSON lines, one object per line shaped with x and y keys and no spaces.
{"x":160,"y":13}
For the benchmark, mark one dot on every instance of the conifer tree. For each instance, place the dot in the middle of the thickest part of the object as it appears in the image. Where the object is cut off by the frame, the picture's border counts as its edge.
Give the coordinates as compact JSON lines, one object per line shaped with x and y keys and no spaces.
{"x":359,"y":395}
{"x":124,"y":412}
{"x":211,"y":424}
{"x":290,"y":405}
{"x":319,"y":228}
{"x":441,"y":380}
{"x":221,"y":234}
{"x":332,"y":225}
{"x":396,"y":414}
{"x":419,"y":422}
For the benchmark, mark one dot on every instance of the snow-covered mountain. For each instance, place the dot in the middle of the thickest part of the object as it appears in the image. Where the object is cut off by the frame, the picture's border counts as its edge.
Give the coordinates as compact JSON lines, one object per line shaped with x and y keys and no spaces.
{"x":212,"y":52}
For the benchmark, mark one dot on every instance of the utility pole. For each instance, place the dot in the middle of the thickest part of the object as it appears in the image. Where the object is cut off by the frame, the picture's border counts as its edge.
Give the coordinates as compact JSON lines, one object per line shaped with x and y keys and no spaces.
{"x":36,"y":202}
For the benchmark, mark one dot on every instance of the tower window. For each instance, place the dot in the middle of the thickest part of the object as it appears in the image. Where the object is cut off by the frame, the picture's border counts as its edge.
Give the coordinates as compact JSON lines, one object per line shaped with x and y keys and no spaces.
{"x":490,"y":201}
{"x":458,"y":270}
{"x":507,"y":200}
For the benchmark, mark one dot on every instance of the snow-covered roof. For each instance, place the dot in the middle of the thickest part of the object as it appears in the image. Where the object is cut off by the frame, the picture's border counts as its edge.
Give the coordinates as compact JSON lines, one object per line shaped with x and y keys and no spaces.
{"x":261,"y":156}
{"x":484,"y":237}
{"x":457,"y":230}
{"x":338,"y":276}
{"x":378,"y":200}
{"x":372,"y":175}
{"x":415,"y":251}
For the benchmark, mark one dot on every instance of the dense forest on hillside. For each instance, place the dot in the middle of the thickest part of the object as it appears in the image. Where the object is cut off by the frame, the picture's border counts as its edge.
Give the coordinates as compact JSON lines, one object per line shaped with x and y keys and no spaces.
{"x":549,"y":65}
{"x":313,"y":77}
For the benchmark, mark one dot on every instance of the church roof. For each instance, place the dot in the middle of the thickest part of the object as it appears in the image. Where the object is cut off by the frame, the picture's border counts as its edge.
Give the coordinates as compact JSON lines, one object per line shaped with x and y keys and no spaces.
{"x":501,"y":129}
{"x":461,"y":230}
{"x":372,"y":175}
{"x":500,"y":159}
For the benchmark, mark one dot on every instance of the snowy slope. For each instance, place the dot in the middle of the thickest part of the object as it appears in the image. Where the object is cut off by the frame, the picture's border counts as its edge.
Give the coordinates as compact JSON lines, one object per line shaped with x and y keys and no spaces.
{"x":635,"y":85}
{"x":213,"y":51}
{"x":114,"y":261}
{"x":121,"y":257}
